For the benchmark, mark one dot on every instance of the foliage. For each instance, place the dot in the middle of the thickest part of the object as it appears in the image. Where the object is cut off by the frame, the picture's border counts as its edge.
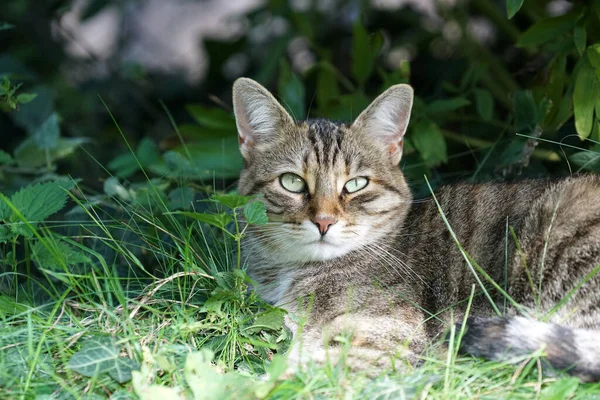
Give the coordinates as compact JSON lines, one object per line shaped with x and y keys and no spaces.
{"x":121,"y":272}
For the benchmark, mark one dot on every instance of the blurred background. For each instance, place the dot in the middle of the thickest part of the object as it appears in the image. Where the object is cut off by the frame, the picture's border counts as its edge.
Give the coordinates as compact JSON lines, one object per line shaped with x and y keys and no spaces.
{"x":88,"y":84}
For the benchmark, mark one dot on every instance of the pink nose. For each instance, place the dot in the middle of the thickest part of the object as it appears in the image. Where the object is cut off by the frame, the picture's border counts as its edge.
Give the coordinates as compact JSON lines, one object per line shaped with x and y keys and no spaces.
{"x":323,"y":223}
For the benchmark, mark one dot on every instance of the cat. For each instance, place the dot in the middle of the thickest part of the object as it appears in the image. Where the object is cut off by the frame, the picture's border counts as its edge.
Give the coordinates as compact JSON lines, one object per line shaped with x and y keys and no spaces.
{"x":347,"y":251}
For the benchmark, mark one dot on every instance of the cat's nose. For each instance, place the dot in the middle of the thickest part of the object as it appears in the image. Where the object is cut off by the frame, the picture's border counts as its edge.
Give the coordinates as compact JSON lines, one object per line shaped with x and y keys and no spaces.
{"x":323,"y":222}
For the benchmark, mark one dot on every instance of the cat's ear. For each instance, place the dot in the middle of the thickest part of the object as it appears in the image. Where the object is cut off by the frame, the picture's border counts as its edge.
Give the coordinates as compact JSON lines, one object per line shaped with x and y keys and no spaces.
{"x":259,"y":117}
{"x":386,"y":119}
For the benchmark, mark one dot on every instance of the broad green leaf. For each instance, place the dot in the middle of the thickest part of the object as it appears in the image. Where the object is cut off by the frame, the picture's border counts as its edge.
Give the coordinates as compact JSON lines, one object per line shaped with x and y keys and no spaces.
{"x":580,"y":38}
{"x":123,"y":165}
{"x":57,"y":254}
{"x":97,"y":355}
{"x":587,"y":160}
{"x":430,"y":143}
{"x":585,"y":96}
{"x":593,"y":54}
{"x":219,"y":220}
{"x":5,"y":158}
{"x":547,"y":29}
{"x":255,"y":213}
{"x":512,"y":7}
{"x":122,"y":369}
{"x":230,"y":200}
{"x":214,"y":118}
{"x":201,"y":377}
{"x":24,"y":98}
{"x":561,"y":389}
{"x":37,"y":202}
{"x":28,"y":154}
{"x":208,"y":383}
{"x":272,"y":319}
{"x":127,"y":164}
{"x":147,"y":152}
{"x":47,"y":134}
{"x":446,"y":105}
{"x":525,"y":110}
{"x":365,"y":49}
{"x":484,"y":102}
{"x":291,"y":90}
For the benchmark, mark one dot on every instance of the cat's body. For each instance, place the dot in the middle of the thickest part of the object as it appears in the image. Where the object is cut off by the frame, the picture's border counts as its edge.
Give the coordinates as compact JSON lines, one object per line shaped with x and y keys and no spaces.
{"x":348,"y":251}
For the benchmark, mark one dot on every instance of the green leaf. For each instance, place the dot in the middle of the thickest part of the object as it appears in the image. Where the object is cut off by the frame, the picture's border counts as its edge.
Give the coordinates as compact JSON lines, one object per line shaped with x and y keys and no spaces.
{"x":580,"y":38}
{"x":56,"y":254}
{"x":124,"y":165}
{"x":28,"y":154}
{"x":593,"y":54}
{"x":430,"y":142}
{"x":586,"y":159}
{"x":291,"y":90}
{"x":97,"y":355}
{"x":6,"y":235}
{"x":219,"y":220}
{"x":214,"y":118}
{"x":147,"y":152}
{"x":525,"y":110}
{"x":230,"y":200}
{"x":24,"y":98}
{"x":255,"y":213}
{"x":484,"y":102}
{"x":547,"y":29}
{"x":365,"y":49}
{"x":585,"y":96}
{"x":5,"y":158}
{"x":37,"y":202}
{"x":512,"y":7}
{"x":122,"y":369}
{"x":562,"y":389}
{"x":204,"y":382}
{"x":446,"y":105}
{"x":272,"y":319}
{"x":46,"y":135}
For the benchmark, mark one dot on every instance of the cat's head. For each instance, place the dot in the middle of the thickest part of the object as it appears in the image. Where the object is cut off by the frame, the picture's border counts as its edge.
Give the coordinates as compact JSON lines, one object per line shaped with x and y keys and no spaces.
{"x":328,"y":188}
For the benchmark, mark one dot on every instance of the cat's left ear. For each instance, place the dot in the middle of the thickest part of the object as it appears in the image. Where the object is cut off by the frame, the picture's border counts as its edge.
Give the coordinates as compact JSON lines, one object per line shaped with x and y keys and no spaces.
{"x":386,"y":119}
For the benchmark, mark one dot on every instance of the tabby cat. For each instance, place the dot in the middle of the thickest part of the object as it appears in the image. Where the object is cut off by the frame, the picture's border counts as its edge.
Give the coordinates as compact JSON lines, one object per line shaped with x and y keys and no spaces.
{"x":348,"y":252}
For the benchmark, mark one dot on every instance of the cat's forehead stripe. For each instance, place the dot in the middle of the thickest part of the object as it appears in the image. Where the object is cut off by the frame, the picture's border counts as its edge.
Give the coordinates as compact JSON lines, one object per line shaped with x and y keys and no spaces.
{"x":326,"y":139}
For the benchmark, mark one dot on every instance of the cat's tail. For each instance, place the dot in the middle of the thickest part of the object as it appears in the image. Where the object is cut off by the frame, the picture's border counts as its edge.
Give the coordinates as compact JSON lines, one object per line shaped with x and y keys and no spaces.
{"x":576,"y":351}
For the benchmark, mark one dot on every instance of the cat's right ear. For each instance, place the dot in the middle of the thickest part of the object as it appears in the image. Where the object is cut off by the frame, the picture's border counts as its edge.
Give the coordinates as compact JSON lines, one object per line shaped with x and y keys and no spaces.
{"x":386,"y":120}
{"x":259,"y":117}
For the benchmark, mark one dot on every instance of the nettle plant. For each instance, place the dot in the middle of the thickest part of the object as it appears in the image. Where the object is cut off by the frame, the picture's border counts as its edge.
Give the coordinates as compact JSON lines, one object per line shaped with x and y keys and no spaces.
{"x":20,"y":219}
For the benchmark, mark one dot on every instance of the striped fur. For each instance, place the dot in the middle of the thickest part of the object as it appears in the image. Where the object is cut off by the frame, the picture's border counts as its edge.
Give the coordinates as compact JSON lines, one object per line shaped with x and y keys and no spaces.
{"x":387,"y":271}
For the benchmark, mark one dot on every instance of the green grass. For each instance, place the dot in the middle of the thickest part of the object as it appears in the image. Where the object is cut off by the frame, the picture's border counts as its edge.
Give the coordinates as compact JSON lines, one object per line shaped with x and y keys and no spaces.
{"x":156,"y":306}
{"x":185,"y":320}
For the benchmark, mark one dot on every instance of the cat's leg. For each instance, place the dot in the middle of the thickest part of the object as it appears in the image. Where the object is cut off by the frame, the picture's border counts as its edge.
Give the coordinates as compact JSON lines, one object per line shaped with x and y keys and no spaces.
{"x":360,"y":342}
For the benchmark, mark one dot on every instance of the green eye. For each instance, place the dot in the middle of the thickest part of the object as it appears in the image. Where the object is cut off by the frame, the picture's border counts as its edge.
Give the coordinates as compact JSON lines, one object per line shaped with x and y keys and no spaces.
{"x":356,"y":184}
{"x":292,"y":182}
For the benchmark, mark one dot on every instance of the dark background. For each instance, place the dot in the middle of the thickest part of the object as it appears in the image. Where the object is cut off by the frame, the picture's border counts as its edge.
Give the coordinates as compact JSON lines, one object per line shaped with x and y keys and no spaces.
{"x":159,"y":64}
